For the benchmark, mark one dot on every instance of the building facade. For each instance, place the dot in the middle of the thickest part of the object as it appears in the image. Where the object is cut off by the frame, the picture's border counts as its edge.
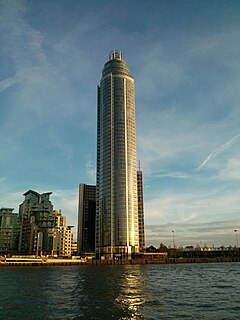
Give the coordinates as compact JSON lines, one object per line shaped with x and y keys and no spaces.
{"x":36,"y":224}
{"x":74,"y":248}
{"x":86,"y":219}
{"x":117,"y":232}
{"x":62,"y":236}
{"x":140,"y":211}
{"x":9,"y":231}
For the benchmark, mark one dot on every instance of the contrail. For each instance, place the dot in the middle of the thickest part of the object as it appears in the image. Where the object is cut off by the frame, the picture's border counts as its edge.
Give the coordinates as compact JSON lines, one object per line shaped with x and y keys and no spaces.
{"x":219,"y":150}
{"x":4,"y":84}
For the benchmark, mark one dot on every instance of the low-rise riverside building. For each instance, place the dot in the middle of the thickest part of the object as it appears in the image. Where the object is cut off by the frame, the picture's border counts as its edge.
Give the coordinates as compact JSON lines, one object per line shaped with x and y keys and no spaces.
{"x":63,"y":236}
{"x":74,"y":248}
{"x":37,"y":230}
{"x":9,"y":231}
{"x":36,"y":224}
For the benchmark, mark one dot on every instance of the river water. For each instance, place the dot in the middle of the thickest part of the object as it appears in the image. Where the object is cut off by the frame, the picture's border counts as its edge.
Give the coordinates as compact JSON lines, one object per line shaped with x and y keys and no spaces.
{"x":177,"y":291}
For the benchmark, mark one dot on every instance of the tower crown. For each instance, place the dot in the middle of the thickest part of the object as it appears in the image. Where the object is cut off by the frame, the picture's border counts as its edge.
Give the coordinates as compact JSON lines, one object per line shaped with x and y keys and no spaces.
{"x":115,"y":55}
{"x":115,"y":64}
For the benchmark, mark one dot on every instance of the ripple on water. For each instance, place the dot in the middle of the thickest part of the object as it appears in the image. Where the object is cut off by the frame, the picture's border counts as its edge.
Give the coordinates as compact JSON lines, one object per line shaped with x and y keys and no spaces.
{"x":149,"y":292}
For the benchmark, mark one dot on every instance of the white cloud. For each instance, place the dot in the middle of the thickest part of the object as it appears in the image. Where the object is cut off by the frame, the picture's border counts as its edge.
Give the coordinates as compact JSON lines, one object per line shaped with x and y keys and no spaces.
{"x":181,"y":207}
{"x":217,"y":233}
{"x":67,"y":201}
{"x":169,"y":137}
{"x":231,"y":172}
{"x":91,"y":171}
{"x":10,"y":199}
{"x":191,"y":108}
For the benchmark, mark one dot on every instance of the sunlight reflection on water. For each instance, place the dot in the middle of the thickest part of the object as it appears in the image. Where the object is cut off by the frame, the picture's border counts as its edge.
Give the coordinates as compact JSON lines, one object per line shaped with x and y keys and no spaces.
{"x":132,"y":292}
{"x":127,"y":292}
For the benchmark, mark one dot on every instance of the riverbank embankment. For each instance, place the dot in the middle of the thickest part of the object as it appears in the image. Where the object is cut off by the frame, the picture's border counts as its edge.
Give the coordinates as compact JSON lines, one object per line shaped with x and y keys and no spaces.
{"x":9,"y":262}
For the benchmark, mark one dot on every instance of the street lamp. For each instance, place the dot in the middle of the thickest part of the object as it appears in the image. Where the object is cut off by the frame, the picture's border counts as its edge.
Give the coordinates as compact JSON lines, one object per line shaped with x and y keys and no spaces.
{"x":173,"y":240}
{"x":236,"y":237}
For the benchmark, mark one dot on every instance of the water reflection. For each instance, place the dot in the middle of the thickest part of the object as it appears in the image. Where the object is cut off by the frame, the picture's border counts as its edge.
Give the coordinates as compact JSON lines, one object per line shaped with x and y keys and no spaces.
{"x":111,"y":292}
{"x":79,"y":293}
{"x":132,"y":292}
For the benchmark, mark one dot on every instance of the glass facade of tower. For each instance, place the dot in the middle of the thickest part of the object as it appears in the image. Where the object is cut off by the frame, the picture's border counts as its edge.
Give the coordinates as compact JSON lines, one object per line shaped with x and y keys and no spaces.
{"x":86,"y":219}
{"x":140,"y":211}
{"x":117,"y":201}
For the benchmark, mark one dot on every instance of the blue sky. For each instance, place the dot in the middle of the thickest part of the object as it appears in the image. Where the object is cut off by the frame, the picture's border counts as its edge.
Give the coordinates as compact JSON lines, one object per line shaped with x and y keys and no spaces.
{"x":185,"y":58}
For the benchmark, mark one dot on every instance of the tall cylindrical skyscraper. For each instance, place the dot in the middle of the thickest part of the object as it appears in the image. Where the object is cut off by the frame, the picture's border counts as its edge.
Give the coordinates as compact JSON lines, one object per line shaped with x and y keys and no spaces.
{"x":117,"y":201}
